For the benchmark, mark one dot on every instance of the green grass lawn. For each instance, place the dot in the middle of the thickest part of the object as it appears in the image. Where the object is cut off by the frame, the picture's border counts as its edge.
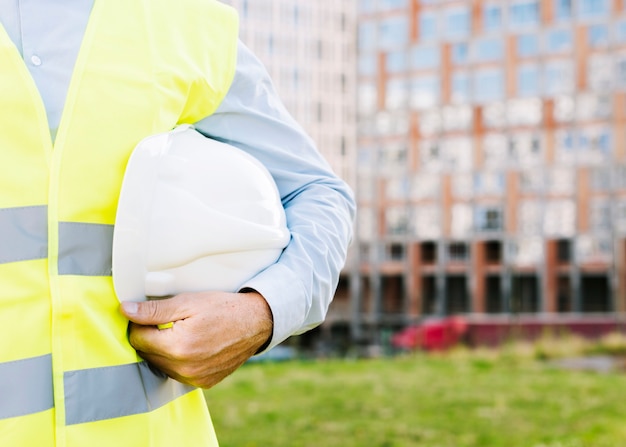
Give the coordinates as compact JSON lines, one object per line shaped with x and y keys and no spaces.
{"x":451,"y":401}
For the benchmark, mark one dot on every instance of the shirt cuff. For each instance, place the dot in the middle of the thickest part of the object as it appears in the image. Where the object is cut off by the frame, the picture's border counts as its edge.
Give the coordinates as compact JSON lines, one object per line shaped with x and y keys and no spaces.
{"x":286,"y":296}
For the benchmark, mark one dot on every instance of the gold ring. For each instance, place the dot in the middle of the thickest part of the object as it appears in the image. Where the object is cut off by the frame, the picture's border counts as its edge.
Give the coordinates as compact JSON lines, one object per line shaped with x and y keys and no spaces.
{"x":165,"y":325}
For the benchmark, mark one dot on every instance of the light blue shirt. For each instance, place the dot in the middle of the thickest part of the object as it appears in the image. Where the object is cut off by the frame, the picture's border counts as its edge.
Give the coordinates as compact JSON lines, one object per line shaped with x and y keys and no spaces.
{"x":319,"y":206}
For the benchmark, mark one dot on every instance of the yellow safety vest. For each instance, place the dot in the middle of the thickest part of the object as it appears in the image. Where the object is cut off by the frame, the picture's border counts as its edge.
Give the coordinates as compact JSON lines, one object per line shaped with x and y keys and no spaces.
{"x":68,"y":375}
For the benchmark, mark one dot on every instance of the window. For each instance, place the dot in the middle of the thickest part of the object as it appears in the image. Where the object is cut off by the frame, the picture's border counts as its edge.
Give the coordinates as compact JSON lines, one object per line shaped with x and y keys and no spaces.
{"x":590,"y":9}
{"x":424,"y":57}
{"x":425,"y":92}
{"x":559,"y":40}
{"x":559,"y":218}
{"x":367,"y":5}
{"x":527,"y":45}
{"x":563,"y":9}
{"x":598,"y":36}
{"x":561,"y":181}
{"x":460,"y":53}
{"x":384,"y":5}
{"x":396,"y":221}
{"x":367,"y":36}
{"x":593,"y":248}
{"x":460,"y":88}
{"x":492,"y":17}
{"x":461,"y":225}
{"x":425,"y":185}
{"x":431,"y":155}
{"x":527,"y":251}
{"x":457,"y":23}
{"x":488,"y":85}
{"x":487,"y":50}
{"x":458,"y":153}
{"x":462,"y":185}
{"x":531,"y":180}
{"x":427,"y":26}
{"x":620,"y":32}
{"x":564,"y":250}
{"x":601,"y":179}
{"x":593,"y":106}
{"x":396,"y":61}
{"x":457,"y":118}
{"x":620,"y":217}
{"x":529,"y":218}
{"x":488,"y":218}
{"x":430,"y":122}
{"x":559,"y":77}
{"x":494,"y":114}
{"x":396,"y":94}
{"x":489,"y":183}
{"x":594,"y":145}
{"x":524,"y":14}
{"x":367,"y":64}
{"x":495,"y":150}
{"x":397,"y":188}
{"x":524,"y":111}
{"x":525,"y":149}
{"x":458,"y":251}
{"x":367,"y":96}
{"x":392,"y":158}
{"x":528,"y":80}
{"x":393,"y":32}
{"x":493,"y":252}
{"x":565,"y":146}
{"x":620,"y":70}
{"x":429,"y":252}
{"x":426,"y":221}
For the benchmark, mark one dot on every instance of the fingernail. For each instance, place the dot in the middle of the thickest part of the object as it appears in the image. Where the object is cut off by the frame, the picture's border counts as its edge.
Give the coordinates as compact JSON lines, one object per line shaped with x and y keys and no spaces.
{"x":130,"y":307}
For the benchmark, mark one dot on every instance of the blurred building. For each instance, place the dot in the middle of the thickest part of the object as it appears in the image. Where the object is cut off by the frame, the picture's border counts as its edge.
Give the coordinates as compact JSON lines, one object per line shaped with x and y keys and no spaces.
{"x":309,"y":49}
{"x":492,"y":159}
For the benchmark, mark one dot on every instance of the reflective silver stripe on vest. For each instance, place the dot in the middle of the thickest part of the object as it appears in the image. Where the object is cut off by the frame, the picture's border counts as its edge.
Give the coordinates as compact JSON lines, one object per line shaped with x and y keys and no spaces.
{"x":85,"y":249}
{"x":23,"y":234}
{"x":111,"y":392}
{"x":26,"y":387}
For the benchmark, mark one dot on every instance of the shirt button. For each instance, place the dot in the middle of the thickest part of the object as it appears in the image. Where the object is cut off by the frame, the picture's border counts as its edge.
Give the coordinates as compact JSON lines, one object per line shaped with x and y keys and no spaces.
{"x":36,"y":60}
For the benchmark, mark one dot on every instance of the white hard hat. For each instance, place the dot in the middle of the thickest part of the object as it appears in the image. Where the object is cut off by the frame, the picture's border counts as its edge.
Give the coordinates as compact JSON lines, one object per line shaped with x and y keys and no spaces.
{"x":194,"y":214}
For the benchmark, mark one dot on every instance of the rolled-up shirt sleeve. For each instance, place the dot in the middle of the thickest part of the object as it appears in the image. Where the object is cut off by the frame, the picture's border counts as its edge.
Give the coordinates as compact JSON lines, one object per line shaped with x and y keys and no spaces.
{"x":319,"y":206}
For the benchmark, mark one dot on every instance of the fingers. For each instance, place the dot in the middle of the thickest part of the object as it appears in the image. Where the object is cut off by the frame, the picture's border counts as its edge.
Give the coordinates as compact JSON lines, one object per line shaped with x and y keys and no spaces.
{"x":156,"y":312}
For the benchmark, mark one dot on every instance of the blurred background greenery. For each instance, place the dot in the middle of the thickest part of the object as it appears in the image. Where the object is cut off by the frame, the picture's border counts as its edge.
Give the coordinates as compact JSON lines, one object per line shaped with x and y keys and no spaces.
{"x":555,"y":392}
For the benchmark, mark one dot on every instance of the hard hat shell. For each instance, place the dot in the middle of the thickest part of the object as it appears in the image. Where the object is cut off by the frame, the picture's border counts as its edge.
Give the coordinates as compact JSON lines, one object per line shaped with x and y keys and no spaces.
{"x":194,"y":214}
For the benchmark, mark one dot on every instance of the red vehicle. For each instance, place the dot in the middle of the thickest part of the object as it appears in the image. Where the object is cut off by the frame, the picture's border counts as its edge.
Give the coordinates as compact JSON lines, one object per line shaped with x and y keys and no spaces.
{"x":432,"y":335}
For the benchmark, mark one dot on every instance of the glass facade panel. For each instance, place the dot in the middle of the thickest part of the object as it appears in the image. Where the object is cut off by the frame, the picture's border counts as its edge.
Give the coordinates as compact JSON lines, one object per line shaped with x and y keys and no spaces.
{"x":488,"y":50}
{"x":424,"y":57}
{"x":563,"y":9}
{"x":461,"y":88}
{"x":559,"y":40}
{"x":528,"y":45}
{"x":592,"y":9}
{"x":488,"y":85}
{"x":457,"y":23}
{"x":524,"y":14}
{"x":427,"y":26}
{"x":393,"y":33}
{"x":488,"y":218}
{"x":528,"y":80}
{"x":559,"y":77}
{"x":425,"y":92}
{"x":492,"y":17}
{"x":598,"y":36}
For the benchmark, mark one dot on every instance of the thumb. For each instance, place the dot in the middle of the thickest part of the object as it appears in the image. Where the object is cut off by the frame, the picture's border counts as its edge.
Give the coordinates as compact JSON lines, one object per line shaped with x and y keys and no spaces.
{"x":153,"y":312}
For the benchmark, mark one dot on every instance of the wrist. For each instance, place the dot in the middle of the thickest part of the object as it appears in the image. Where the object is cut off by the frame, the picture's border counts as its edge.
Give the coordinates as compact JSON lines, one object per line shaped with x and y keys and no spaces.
{"x":262,"y":318}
